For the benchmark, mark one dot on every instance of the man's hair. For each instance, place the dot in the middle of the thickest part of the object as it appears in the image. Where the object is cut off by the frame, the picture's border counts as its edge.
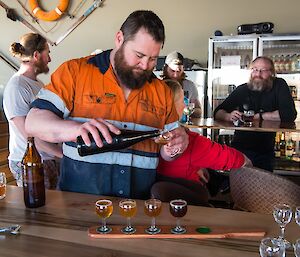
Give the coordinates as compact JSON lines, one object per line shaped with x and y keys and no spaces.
{"x":147,"y":20}
{"x":29,"y":43}
{"x":266,"y":59}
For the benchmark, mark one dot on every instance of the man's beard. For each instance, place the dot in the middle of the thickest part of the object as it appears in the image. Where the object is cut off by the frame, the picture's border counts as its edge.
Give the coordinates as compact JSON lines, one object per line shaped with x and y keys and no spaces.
{"x":260,"y":84}
{"x":41,"y":67}
{"x":126,"y":74}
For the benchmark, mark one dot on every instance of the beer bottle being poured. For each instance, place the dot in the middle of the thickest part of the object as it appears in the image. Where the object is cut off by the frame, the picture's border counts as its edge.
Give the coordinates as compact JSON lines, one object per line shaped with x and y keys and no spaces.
{"x":125,"y":139}
{"x":33,"y":176}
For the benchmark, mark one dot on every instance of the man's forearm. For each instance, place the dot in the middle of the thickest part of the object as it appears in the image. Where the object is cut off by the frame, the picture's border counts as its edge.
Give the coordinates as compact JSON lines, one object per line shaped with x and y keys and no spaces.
{"x":49,"y":127}
{"x":222,"y":115}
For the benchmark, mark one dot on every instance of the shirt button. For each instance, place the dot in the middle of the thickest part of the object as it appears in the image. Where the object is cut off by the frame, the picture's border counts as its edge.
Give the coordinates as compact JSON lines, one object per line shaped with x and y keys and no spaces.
{"x":120,"y":192}
{"x":122,"y":171}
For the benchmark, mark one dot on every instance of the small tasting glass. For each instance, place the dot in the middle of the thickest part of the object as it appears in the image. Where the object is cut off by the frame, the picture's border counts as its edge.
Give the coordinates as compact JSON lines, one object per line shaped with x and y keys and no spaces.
{"x":2,"y":185}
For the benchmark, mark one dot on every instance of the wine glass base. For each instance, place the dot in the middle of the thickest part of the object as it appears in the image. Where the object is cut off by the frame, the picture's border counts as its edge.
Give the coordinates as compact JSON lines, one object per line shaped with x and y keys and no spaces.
{"x":178,"y":230}
{"x":286,"y":243}
{"x":103,"y":230}
{"x":128,"y":230}
{"x":153,"y":231}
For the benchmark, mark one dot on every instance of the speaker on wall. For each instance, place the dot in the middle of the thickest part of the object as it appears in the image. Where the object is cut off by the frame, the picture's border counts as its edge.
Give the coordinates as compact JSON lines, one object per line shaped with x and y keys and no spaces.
{"x":258,"y":28}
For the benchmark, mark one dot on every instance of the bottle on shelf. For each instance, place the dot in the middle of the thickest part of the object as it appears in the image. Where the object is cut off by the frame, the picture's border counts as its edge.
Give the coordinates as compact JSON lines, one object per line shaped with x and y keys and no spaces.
{"x":289,"y":151}
{"x":125,"y":139}
{"x":33,"y":176}
{"x":282,"y":145}
{"x":277,"y":145}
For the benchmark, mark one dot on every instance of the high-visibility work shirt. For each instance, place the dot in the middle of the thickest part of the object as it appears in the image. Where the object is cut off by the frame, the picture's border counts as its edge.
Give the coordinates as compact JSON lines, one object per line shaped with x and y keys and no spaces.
{"x":86,"y":88}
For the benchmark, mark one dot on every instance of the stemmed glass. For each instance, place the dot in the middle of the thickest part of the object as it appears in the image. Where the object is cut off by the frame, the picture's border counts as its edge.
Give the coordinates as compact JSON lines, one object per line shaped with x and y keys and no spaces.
{"x":152,"y":209}
{"x":283,"y":215}
{"x":104,"y":209}
{"x":188,"y":111}
{"x":272,"y":247}
{"x":178,"y":209}
{"x":128,"y":209}
{"x":297,"y":215}
{"x":297,"y":248}
{"x":2,"y":185}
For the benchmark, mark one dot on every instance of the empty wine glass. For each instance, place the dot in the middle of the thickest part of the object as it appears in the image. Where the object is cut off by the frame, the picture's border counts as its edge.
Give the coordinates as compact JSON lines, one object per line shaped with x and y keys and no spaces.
{"x":152,"y":209}
{"x":104,"y":209}
{"x":188,"y":111}
{"x":178,"y":209}
{"x":283,"y":215}
{"x":128,"y":209}
{"x":272,"y":247}
{"x":297,"y":215}
{"x":297,"y":248}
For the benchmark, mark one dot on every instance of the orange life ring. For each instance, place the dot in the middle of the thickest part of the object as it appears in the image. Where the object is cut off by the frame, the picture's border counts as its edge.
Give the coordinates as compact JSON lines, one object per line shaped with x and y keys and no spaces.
{"x":51,"y":15}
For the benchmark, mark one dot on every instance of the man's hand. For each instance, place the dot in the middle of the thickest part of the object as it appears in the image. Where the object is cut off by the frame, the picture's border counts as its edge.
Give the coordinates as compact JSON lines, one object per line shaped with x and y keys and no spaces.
{"x":235,"y":115}
{"x":96,"y":126}
{"x":203,"y":176}
{"x":177,"y":145}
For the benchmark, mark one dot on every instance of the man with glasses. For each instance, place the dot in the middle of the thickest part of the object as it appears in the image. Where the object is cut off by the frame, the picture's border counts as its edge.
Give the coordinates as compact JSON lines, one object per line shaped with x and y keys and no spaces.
{"x":270,"y":99}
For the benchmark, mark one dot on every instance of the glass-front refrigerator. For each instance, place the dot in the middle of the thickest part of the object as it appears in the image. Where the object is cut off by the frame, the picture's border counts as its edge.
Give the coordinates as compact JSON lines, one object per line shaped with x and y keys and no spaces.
{"x":284,"y":50}
{"x":229,"y":58}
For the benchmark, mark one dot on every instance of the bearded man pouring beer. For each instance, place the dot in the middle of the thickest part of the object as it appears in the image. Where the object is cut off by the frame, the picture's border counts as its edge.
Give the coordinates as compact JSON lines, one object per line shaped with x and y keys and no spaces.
{"x":270,"y":99}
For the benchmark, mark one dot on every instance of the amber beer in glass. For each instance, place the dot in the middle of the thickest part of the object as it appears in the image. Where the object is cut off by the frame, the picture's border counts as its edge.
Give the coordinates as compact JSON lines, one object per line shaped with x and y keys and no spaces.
{"x":2,"y":185}
{"x":152,"y":209}
{"x":178,"y":209}
{"x":33,"y":177}
{"x":128,"y":209}
{"x":104,"y":209}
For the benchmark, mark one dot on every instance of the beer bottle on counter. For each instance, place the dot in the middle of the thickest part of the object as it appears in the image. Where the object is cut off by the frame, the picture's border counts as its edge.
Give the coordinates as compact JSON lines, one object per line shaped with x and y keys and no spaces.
{"x":186,"y":101}
{"x":289,"y":148}
{"x":33,"y":176}
{"x":125,"y":139}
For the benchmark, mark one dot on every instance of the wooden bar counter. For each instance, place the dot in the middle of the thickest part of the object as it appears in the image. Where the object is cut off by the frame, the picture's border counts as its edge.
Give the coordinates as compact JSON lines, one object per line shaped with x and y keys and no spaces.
{"x":259,"y":126}
{"x":60,"y":229}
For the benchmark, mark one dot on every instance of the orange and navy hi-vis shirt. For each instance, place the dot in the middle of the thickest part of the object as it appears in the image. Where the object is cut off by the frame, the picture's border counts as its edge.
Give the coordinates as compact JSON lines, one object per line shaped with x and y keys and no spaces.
{"x":86,"y":88}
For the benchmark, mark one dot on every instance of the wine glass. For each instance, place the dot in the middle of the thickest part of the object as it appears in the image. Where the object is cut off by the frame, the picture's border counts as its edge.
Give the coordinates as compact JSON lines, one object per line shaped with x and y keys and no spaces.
{"x":128,"y":209}
{"x":2,"y":185}
{"x":297,"y":215}
{"x":104,"y":209}
{"x":283,"y":215}
{"x":152,"y":209}
{"x":188,"y":110}
{"x":297,"y":248}
{"x":178,"y":209}
{"x":272,"y":247}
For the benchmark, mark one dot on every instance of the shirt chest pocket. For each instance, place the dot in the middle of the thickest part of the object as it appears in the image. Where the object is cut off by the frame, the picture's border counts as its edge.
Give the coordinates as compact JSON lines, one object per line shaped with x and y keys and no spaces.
{"x":149,"y":108}
{"x":106,"y":99}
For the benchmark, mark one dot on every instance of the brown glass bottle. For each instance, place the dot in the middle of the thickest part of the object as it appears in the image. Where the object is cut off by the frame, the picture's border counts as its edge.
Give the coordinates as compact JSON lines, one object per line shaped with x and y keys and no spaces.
{"x":125,"y":139}
{"x":33,"y":177}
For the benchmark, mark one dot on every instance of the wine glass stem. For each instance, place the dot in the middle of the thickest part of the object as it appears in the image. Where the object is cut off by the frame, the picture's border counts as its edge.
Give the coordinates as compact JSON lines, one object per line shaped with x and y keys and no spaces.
{"x":187,"y":119}
{"x":178,"y":222}
{"x":153,"y":222}
{"x":103,"y":222}
{"x":128,"y":222}
{"x":282,"y":230}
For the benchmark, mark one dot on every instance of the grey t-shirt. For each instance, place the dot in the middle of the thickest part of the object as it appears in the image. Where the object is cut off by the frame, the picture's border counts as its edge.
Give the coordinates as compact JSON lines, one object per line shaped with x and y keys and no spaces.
{"x":19,"y":92}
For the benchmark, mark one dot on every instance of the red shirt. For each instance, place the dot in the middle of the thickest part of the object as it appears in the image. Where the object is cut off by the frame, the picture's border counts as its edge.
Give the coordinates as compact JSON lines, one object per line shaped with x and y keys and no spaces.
{"x":201,"y":153}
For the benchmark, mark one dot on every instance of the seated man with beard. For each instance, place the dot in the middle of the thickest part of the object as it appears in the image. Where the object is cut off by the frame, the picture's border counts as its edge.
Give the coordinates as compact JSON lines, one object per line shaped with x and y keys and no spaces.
{"x":270,"y":99}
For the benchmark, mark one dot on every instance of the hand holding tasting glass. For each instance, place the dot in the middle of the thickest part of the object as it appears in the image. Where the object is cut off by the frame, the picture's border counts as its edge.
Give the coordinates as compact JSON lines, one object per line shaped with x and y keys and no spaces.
{"x":152,"y":209}
{"x":178,"y":209}
{"x":128,"y":209}
{"x":104,"y":209}
{"x":283,"y":215}
{"x":272,"y":247}
{"x":2,"y":185}
{"x":188,"y":111}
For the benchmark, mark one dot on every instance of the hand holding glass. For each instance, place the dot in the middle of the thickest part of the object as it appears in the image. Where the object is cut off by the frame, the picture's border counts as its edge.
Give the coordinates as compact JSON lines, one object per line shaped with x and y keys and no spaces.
{"x":128,"y":209}
{"x":152,"y":209}
{"x":178,"y":209}
{"x":104,"y":209}
{"x":283,"y":215}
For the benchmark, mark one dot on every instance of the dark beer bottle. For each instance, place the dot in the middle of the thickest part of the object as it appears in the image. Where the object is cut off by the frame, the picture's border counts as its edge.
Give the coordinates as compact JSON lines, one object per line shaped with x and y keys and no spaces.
{"x":33,"y":177}
{"x":125,"y":139}
{"x":282,"y":145}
